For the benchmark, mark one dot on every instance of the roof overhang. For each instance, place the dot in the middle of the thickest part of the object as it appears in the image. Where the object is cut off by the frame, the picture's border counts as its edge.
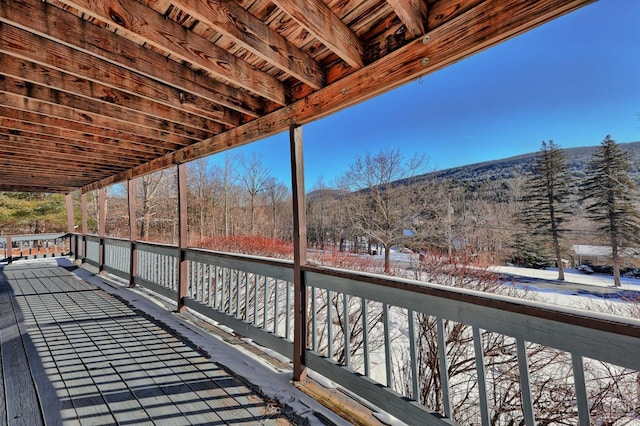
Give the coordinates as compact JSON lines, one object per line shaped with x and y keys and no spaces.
{"x":97,"y":92}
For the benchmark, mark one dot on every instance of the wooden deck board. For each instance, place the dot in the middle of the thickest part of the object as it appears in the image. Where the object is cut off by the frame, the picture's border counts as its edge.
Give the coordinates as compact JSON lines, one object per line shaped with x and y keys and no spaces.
{"x":103,"y":363}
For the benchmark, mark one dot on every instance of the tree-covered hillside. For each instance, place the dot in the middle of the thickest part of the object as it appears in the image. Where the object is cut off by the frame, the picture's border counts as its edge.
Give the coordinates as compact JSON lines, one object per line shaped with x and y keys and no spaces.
{"x":508,"y":168}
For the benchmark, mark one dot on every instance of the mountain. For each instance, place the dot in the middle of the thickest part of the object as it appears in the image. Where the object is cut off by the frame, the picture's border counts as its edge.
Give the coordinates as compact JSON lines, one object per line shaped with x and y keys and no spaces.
{"x":507,"y":168}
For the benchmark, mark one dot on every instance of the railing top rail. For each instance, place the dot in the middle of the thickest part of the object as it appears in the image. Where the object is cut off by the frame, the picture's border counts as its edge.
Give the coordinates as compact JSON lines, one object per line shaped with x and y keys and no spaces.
{"x":283,"y":263}
{"x":567,"y":315}
{"x":34,"y":237}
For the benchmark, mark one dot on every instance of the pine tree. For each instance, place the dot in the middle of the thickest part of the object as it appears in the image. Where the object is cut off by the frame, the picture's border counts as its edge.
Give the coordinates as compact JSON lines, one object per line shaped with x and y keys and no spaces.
{"x":547,"y":197}
{"x":610,"y":196}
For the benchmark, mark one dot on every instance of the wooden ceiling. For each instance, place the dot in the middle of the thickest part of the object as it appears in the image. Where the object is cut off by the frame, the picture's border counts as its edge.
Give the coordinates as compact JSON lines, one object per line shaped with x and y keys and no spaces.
{"x":93,"y":92}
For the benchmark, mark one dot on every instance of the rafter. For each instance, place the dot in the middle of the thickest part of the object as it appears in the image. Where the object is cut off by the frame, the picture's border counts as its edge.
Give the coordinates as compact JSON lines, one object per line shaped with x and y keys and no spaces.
{"x":319,"y":20}
{"x":228,"y":18}
{"x":83,"y":121}
{"x":203,"y":93}
{"x":59,"y":140}
{"x":102,"y":108}
{"x":142,"y":22}
{"x":88,"y":131}
{"x":487,"y":24}
{"x":45,"y":76}
{"x":413,"y":14}
{"x":82,"y":140}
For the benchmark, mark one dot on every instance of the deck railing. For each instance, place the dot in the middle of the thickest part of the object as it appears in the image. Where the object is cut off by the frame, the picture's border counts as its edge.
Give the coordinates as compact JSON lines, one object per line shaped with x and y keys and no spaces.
{"x":353,"y":321}
{"x":13,"y":247}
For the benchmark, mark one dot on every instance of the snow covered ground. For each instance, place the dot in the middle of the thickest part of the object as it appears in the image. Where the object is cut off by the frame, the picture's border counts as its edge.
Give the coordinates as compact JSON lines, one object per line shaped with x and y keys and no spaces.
{"x":571,"y":276}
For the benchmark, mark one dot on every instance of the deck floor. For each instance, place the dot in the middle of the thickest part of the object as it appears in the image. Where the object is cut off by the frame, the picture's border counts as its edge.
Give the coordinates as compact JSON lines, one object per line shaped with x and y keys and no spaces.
{"x":73,"y":354}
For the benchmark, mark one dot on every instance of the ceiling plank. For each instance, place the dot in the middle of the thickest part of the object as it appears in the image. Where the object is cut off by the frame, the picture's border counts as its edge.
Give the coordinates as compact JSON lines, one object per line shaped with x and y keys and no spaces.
{"x":413,"y":14}
{"x":87,"y":122}
{"x":52,"y":78}
{"x":62,"y":143}
{"x":486,"y":25}
{"x":105,"y":109}
{"x":228,"y":18}
{"x":61,"y":59}
{"x":145,"y":23}
{"x":136,"y":151}
{"x":205,"y":93}
{"x":85,"y":129}
{"x":37,"y":155}
{"x":319,"y":20}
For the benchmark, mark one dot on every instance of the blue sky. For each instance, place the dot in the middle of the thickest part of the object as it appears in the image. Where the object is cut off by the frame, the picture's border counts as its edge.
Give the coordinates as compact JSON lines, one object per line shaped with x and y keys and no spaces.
{"x":573,"y":80}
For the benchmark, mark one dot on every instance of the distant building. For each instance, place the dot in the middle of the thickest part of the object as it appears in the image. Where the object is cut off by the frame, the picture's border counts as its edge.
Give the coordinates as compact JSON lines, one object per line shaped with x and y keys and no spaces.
{"x":599,"y":255}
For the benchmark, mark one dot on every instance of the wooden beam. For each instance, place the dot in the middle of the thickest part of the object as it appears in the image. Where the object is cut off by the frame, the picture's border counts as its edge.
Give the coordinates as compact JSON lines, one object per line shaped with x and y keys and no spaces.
{"x":86,"y":129}
{"x":488,"y":24}
{"x":133,"y":232}
{"x":70,"y":218}
{"x":144,"y":23}
{"x":299,"y":253}
{"x":105,"y":109}
{"x":84,"y":140}
{"x":183,"y":236}
{"x":228,"y":18}
{"x":37,"y":150}
{"x":102,"y":225}
{"x":19,"y":108}
{"x":21,"y":187}
{"x":413,"y":14}
{"x":21,"y":69}
{"x":319,"y":20}
{"x":203,"y":93}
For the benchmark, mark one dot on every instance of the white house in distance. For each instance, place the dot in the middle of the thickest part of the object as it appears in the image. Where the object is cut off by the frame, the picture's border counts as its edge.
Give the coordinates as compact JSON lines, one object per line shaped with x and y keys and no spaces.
{"x":601,"y":254}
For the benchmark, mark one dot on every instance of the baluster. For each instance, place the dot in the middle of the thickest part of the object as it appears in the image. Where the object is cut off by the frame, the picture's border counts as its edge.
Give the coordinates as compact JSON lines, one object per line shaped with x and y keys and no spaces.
{"x":265,"y":310}
{"x":387,"y":345}
{"x":314,"y":321}
{"x":415,"y":388}
{"x":365,"y":337}
{"x":525,"y":384}
{"x":276,"y":302}
{"x":288,"y":310}
{"x":345,"y":329}
{"x":480,"y":370}
{"x":444,"y":367}
{"x":329,"y":326}
{"x":581,"y":389}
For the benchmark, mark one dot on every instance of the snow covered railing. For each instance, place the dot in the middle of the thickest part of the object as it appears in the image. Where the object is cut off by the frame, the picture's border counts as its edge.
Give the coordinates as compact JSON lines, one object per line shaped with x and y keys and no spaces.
{"x":406,"y":345}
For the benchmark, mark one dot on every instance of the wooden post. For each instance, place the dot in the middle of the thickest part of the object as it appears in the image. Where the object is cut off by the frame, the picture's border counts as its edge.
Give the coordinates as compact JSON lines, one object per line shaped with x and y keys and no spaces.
{"x":8,"y":249}
{"x":182,"y":235}
{"x":299,"y":253}
{"x":133,"y":233}
{"x":70,"y":222}
{"x":84,"y":227}
{"x":102,"y":223}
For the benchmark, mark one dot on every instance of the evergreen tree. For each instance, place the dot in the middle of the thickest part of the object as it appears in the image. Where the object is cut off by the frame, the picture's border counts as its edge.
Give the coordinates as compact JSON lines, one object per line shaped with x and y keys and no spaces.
{"x":611,"y":196}
{"x":547,"y":197}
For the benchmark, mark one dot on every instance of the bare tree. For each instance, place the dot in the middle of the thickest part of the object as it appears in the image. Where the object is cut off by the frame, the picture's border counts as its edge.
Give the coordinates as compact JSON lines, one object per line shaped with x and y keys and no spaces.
{"x":255,"y":179}
{"x":200,"y":194}
{"x":225,"y":183}
{"x":278,"y":196}
{"x":380,"y":207}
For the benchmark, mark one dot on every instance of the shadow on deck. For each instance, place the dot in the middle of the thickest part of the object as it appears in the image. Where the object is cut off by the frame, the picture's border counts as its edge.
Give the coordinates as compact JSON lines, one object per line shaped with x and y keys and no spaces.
{"x":74,"y":354}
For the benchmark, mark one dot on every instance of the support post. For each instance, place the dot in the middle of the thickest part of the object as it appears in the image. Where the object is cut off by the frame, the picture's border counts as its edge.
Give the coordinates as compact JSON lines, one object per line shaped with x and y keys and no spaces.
{"x":102,"y":223}
{"x":70,"y":222}
{"x":133,"y":233}
{"x":84,"y":227}
{"x":299,"y":253}
{"x":182,"y":235}
{"x":9,"y":249}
